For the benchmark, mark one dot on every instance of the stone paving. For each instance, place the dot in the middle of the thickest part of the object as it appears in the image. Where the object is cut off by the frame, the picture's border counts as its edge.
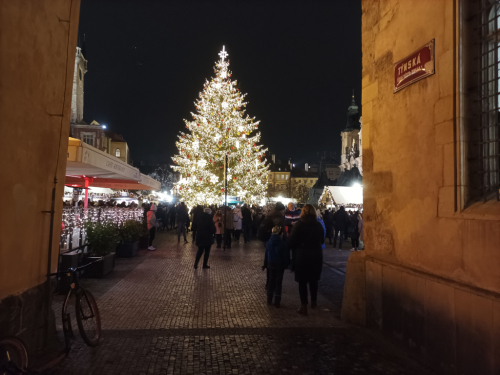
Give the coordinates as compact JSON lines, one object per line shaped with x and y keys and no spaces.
{"x":161,"y":316}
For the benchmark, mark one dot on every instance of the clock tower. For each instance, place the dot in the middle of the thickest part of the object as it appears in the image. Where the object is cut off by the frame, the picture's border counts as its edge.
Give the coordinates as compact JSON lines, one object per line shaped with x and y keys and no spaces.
{"x":78,"y":81}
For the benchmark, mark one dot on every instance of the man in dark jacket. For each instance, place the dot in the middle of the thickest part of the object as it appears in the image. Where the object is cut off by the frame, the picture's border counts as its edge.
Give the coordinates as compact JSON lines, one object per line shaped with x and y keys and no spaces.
{"x":182,"y":218}
{"x":276,"y":261}
{"x":328,"y":220}
{"x":247,"y":222}
{"x":204,"y":237}
{"x":172,"y":213}
{"x":197,"y":212}
{"x":341,"y":223}
{"x":292,"y":215}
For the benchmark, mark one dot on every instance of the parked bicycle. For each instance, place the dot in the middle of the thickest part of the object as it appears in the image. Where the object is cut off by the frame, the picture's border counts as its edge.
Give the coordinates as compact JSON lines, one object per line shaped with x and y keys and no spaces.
{"x":13,"y":353}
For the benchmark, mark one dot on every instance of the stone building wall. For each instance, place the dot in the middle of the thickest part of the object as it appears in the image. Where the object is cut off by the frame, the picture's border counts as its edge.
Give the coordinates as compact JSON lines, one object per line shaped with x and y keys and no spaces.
{"x":36,"y":77}
{"x":429,"y":276}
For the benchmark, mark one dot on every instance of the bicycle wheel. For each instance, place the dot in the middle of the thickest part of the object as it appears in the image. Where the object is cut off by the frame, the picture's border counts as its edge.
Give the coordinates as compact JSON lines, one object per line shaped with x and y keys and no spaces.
{"x":13,"y":357}
{"x":88,"y":318}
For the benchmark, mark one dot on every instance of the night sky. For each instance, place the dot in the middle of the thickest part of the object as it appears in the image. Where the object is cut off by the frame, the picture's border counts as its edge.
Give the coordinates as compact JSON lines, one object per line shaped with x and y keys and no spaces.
{"x":297,"y":60}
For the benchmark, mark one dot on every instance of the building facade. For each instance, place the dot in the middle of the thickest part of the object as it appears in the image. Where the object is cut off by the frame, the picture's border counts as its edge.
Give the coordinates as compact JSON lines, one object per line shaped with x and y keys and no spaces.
{"x":94,"y":134}
{"x":429,"y":276}
{"x":278,"y":183}
{"x":301,"y":182}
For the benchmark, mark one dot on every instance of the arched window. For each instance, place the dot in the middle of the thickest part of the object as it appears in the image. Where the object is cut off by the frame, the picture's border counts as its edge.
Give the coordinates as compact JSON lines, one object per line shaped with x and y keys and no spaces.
{"x":117,"y":153}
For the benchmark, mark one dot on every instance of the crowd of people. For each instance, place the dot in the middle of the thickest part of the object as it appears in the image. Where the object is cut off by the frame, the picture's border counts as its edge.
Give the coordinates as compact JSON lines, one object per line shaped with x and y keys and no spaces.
{"x":294,"y":238}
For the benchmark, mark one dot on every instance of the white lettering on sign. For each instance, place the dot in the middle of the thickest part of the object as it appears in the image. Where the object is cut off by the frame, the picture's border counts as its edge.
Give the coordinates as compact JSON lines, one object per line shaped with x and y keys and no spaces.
{"x":407,"y":65}
{"x":114,"y":166}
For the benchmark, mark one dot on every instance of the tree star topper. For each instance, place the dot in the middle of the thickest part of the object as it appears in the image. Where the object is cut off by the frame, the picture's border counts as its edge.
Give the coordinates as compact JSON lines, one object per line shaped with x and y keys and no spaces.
{"x":223,"y":54}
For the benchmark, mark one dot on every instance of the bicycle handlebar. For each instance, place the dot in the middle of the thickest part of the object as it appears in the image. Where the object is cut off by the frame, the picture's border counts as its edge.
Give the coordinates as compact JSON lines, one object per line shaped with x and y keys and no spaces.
{"x":77,"y":268}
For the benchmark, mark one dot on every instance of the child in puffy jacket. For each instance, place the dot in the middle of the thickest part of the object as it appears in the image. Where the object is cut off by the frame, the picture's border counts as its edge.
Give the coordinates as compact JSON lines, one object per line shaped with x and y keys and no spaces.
{"x":276,"y":261}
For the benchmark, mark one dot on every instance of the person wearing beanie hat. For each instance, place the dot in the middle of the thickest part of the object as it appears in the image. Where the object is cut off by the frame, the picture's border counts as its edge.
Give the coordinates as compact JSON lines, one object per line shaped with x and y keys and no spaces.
{"x":152,"y":223}
{"x":279,"y":206}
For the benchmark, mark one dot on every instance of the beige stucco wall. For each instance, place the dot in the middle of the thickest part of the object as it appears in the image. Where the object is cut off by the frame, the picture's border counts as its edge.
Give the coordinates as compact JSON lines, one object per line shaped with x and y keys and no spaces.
{"x":37,"y":59}
{"x":432,"y":270}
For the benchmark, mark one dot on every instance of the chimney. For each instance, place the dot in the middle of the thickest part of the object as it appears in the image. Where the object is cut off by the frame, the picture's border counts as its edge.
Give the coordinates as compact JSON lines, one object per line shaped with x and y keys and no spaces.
{"x":307,"y":167}
{"x":273,"y":158}
{"x":290,"y":163}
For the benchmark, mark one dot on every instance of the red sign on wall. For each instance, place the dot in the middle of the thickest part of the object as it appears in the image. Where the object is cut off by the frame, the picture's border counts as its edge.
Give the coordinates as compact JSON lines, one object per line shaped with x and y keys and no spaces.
{"x":412,"y":68}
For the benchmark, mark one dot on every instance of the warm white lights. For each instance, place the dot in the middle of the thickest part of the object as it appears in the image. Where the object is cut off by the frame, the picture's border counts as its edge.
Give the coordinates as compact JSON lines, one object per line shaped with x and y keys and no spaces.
{"x":220,"y":129}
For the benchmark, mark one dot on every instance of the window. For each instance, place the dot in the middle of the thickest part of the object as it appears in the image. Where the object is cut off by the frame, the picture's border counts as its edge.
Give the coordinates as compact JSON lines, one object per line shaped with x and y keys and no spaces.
{"x":484,"y":148}
{"x":117,"y":153}
{"x":88,"y":138}
{"x":287,"y":177}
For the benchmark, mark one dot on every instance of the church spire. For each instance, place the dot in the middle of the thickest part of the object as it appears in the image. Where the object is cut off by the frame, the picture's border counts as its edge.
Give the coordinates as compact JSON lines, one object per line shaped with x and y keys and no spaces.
{"x":352,"y":115}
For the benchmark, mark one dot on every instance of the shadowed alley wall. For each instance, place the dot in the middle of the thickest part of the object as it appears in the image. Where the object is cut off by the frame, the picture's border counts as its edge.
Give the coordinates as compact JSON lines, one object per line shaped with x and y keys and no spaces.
{"x":37,"y":44}
{"x":429,"y":276}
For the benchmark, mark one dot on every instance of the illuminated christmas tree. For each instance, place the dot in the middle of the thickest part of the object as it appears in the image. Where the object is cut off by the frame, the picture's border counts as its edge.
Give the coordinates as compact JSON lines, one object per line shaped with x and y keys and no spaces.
{"x":219,"y":128}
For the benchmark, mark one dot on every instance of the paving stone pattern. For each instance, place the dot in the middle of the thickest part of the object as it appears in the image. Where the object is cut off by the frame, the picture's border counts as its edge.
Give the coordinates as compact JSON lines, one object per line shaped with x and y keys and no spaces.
{"x":161,"y":316}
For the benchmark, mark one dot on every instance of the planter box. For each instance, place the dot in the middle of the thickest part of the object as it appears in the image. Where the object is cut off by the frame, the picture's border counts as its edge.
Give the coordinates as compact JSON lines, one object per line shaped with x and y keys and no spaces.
{"x":143,"y":242}
{"x":100,"y":269}
{"x":127,"y":250}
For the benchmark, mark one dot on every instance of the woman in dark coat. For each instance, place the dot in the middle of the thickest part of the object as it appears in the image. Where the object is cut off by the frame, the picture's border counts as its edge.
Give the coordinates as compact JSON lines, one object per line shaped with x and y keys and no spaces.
{"x":307,"y":256}
{"x":204,"y":237}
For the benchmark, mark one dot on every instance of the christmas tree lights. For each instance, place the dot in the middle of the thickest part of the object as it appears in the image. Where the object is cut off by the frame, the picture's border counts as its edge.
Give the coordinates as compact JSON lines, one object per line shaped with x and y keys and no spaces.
{"x":219,"y":128}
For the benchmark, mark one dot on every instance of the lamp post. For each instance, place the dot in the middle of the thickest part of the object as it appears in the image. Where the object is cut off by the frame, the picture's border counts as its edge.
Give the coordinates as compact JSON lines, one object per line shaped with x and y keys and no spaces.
{"x":225,"y":203}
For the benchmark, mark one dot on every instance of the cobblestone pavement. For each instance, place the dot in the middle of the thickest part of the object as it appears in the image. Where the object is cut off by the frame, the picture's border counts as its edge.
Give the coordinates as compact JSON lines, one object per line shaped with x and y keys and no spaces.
{"x":160,"y":316}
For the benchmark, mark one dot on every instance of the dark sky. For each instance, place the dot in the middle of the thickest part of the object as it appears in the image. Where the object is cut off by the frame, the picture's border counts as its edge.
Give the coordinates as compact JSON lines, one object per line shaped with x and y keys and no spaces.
{"x":297,"y":60}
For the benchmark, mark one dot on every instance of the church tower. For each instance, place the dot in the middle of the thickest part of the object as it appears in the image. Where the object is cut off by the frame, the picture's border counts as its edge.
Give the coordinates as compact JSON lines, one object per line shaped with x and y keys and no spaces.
{"x":78,"y":81}
{"x":350,"y":137}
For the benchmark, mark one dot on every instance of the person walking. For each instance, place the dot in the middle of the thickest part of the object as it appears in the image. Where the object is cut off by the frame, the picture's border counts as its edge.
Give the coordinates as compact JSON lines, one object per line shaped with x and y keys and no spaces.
{"x":228,"y":230}
{"x":237,"y":222}
{"x":354,"y":232}
{"x":328,"y":220}
{"x":152,"y":224}
{"x":197,"y":212}
{"x":276,"y":260}
{"x":182,"y":219}
{"x":218,"y":227}
{"x":307,"y":256}
{"x":172,"y":213}
{"x":204,"y":237}
{"x":341,"y":222}
{"x":247,"y":223}
{"x":275,"y":218}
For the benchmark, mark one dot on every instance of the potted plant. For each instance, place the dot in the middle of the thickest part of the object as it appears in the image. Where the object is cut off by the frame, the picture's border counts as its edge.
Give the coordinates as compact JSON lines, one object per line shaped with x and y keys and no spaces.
{"x":129,"y":232}
{"x":102,"y":238}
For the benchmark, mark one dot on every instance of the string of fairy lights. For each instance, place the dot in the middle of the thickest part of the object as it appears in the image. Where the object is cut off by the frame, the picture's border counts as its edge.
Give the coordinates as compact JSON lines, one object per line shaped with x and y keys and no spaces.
{"x":326,"y":191}
{"x":74,"y":218}
{"x":220,"y":128}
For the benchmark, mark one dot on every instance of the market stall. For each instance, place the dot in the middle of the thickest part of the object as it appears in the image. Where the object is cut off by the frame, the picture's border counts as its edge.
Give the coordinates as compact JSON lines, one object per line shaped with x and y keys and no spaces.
{"x":88,"y":167}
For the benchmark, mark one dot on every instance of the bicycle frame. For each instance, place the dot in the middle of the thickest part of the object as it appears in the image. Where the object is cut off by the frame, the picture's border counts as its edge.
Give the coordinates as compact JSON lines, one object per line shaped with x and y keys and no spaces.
{"x":74,"y":287}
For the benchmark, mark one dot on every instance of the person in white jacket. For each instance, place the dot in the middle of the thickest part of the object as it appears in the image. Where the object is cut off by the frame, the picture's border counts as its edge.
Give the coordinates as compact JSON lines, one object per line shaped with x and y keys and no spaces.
{"x":237,"y":222}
